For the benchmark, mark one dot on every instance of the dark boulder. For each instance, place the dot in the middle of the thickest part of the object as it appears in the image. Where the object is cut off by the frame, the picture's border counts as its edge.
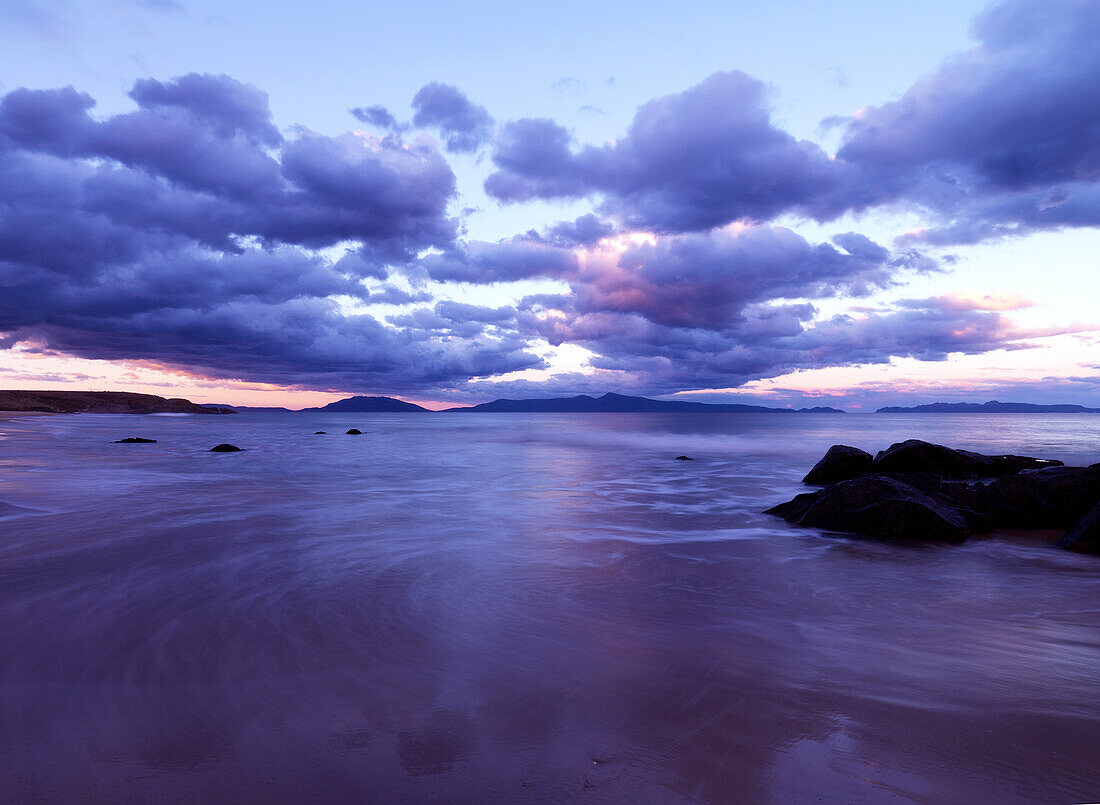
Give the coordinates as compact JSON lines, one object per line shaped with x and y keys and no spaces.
{"x":885,"y":508}
{"x":225,"y":448}
{"x":913,"y":455}
{"x":840,"y":463}
{"x":354,"y":432}
{"x":1085,"y":534}
{"x":1055,"y":497}
{"x":684,"y":458}
{"x":136,"y":440}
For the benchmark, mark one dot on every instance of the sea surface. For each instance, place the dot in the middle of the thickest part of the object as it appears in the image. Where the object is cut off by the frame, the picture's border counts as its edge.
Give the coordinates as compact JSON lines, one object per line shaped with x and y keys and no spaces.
{"x":523,"y":608}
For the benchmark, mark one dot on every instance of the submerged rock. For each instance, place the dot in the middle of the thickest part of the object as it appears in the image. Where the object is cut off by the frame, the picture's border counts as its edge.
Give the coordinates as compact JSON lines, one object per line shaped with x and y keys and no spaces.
{"x":136,"y":440}
{"x":319,"y":433}
{"x":225,"y":448}
{"x":882,"y":507}
{"x":684,"y":458}
{"x":1084,"y":537}
{"x":840,"y":463}
{"x":354,"y":432}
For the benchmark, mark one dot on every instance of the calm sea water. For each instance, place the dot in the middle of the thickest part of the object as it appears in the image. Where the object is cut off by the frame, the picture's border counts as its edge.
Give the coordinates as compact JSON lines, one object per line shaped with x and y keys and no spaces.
{"x":523,"y":608}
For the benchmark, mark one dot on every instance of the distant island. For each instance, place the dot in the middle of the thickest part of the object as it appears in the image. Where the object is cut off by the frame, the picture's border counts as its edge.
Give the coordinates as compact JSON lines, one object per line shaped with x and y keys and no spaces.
{"x":368,"y":405}
{"x":622,"y":404}
{"x":100,"y":402}
{"x":991,"y":407}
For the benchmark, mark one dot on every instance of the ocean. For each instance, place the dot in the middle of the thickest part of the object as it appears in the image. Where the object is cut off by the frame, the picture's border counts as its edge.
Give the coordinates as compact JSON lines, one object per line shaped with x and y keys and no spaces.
{"x":523,"y":608}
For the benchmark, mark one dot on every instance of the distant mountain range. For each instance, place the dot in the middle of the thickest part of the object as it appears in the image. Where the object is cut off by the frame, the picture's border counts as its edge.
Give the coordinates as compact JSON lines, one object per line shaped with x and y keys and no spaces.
{"x":582,"y":403}
{"x":991,"y":407}
{"x":621,"y":404}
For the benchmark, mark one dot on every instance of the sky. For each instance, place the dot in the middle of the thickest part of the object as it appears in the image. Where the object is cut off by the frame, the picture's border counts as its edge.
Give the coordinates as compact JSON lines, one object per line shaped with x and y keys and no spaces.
{"x":850,"y":203}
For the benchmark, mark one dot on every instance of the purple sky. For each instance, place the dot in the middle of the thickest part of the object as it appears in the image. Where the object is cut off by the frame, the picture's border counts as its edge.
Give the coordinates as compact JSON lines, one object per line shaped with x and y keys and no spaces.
{"x":185,"y":240}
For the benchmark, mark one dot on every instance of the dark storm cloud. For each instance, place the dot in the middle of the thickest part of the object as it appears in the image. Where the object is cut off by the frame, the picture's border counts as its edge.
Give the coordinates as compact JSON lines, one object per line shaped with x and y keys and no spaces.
{"x":465,"y":126}
{"x":185,"y":232}
{"x":198,"y":159}
{"x":689,"y":161}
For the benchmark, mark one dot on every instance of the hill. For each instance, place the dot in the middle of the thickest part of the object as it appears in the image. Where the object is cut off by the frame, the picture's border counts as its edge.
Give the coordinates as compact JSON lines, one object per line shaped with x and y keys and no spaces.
{"x":100,"y":402}
{"x":368,"y":405}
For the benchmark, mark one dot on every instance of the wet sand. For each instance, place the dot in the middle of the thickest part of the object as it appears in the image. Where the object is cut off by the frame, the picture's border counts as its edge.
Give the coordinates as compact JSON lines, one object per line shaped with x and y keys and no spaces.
{"x":520,"y":610}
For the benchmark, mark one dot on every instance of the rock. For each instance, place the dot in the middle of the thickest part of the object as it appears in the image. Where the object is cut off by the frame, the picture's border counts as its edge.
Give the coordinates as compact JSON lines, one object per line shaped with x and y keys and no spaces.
{"x":1054,"y":497}
{"x":136,"y":440}
{"x":354,"y":432}
{"x":840,"y":463}
{"x":913,"y":455}
{"x":881,"y":507}
{"x":319,"y":433}
{"x":684,"y":458}
{"x":1010,"y":465}
{"x":1084,"y":537}
{"x":225,"y":448}
{"x":971,"y":495}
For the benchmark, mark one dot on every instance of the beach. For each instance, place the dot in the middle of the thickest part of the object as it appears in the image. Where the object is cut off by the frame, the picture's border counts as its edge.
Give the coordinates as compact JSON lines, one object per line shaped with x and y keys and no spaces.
{"x":523,"y":608}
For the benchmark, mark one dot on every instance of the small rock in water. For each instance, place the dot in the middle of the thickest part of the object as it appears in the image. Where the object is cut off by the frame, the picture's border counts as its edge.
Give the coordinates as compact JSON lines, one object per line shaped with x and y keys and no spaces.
{"x":225,"y":448}
{"x":319,"y":433}
{"x":136,"y":440}
{"x":354,"y":432}
{"x":684,"y":458}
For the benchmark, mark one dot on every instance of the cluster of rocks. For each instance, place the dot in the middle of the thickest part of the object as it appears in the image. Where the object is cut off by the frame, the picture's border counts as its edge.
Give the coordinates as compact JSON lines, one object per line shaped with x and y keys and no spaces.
{"x":923,"y":491}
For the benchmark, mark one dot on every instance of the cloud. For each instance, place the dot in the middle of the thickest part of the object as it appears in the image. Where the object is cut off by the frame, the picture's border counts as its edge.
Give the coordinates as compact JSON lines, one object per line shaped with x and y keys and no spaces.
{"x":689,"y":161}
{"x":1001,"y":139}
{"x":718,"y":309}
{"x":201,"y":159}
{"x":223,"y":103}
{"x":187,"y":232}
{"x":998,"y":141}
{"x":379,"y":117}
{"x":193,"y":231}
{"x":465,"y":126}
{"x":568,"y":85}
